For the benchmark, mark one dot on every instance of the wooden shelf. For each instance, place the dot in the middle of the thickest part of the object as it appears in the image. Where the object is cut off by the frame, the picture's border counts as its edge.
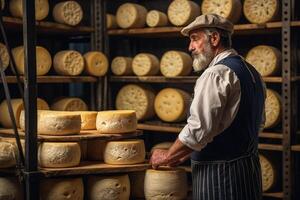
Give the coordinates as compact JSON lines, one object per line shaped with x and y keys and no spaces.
{"x":272,"y":147}
{"x":56,"y":79}
{"x":295,"y":147}
{"x":278,"y":195}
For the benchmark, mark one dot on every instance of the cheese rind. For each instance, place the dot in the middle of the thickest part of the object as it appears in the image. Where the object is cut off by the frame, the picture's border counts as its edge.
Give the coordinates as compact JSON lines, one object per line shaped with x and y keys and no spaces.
{"x":131,"y":15}
{"x":163,"y":145}
{"x":96,"y":63}
{"x":122,"y":66}
{"x":88,"y":119}
{"x":111,"y":21}
{"x":4,"y":56}
{"x":8,"y":154}
{"x":69,"y":104}
{"x":267,"y":172}
{"x":10,"y":189}
{"x":272,"y":108}
{"x":41,"y":8}
{"x":145,"y":64}
{"x":95,"y":149}
{"x":156,"y":18}
{"x":68,"y":12}
{"x":68,"y":62}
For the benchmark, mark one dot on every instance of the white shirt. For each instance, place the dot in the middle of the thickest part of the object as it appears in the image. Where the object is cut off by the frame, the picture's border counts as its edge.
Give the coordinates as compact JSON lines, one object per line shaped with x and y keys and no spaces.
{"x":216,"y":102}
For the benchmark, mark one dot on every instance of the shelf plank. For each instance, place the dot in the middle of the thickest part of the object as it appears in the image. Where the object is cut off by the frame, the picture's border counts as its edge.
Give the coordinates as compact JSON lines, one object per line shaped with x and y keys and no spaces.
{"x":56,"y":79}
{"x":295,"y":147}
{"x":159,"y":128}
{"x":271,"y":135}
{"x":272,"y":147}
{"x":278,"y":195}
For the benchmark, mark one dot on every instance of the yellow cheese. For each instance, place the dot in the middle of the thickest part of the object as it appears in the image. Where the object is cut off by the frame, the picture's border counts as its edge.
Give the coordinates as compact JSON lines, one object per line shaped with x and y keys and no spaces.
{"x":182,"y":12}
{"x":137,"y":180}
{"x":131,"y":15}
{"x":124,"y":152}
{"x":163,"y":145}
{"x":8,"y":154}
{"x":88,"y":119}
{"x":138,"y":98}
{"x":156,"y":18}
{"x":176,"y":63}
{"x":145,"y":64}
{"x":69,"y":104}
{"x":43,"y":60}
{"x":272,"y":108}
{"x":41,"y":8}
{"x":116,"y":121}
{"x":59,"y":154}
{"x":95,"y":149}
{"x":165,"y":184}
{"x":62,"y":189}
{"x":68,"y":62}
{"x":261,"y":11}
{"x":10,"y":189}
{"x":171,"y":104}
{"x":4,"y":56}
{"x":121,"y":66}
{"x":68,"y":12}
{"x":108,"y":187}
{"x":111,"y":21}
{"x":267,"y":172}
{"x":96,"y":63}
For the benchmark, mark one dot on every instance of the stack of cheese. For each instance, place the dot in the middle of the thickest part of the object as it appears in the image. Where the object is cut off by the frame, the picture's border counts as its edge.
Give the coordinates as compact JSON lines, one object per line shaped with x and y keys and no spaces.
{"x":131,"y":15}
{"x":272,"y":108}
{"x":268,"y":173}
{"x":4,"y":56}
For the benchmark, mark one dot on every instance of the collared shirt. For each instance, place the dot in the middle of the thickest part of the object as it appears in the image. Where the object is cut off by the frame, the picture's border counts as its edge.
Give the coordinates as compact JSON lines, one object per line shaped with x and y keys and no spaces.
{"x":215,"y":104}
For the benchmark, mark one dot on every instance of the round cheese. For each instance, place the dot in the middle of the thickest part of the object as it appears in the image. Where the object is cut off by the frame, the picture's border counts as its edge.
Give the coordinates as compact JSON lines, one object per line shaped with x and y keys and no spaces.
{"x":124,"y":152}
{"x":165,"y":184}
{"x":261,"y":11}
{"x":59,"y":154}
{"x":176,"y":63}
{"x":43,"y":60}
{"x":156,"y":18}
{"x":265,"y":59}
{"x":229,"y":9}
{"x":69,"y":104}
{"x":41,"y":8}
{"x":10,"y":189}
{"x":267,"y":172}
{"x":8,"y":154}
{"x":88,"y":119}
{"x":145,"y":64}
{"x":121,"y":66}
{"x":68,"y":62}
{"x":55,"y":122}
{"x":68,"y":12}
{"x":131,"y":15}
{"x":116,"y":121}
{"x":62,"y":189}
{"x":96,"y":63}
{"x":108,"y":187}
{"x":163,"y":145}
{"x":111,"y":21}
{"x":183,"y":12}
{"x":272,"y":108}
{"x":138,"y":98}
{"x":95,"y":149}
{"x":171,"y":104}
{"x":4,"y":56}
{"x":137,"y":180}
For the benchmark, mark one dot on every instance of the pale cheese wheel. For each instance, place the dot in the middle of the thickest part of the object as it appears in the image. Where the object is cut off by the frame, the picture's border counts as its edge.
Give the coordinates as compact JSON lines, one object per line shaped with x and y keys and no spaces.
{"x":156,"y":18}
{"x":4,"y":56}
{"x":137,"y":180}
{"x":43,"y":60}
{"x":68,"y":12}
{"x":88,"y":119}
{"x":41,"y":8}
{"x":10,"y":189}
{"x":229,"y":9}
{"x":8,"y":154}
{"x":59,"y":154}
{"x":145,"y":64}
{"x":265,"y":59}
{"x":69,"y":104}
{"x":62,"y":189}
{"x":272,"y":108}
{"x":121,"y":66}
{"x":68,"y":62}
{"x":261,"y":11}
{"x":124,"y":152}
{"x":183,"y":12}
{"x":267,"y":172}
{"x":111,"y":21}
{"x":116,"y":121}
{"x":171,"y":104}
{"x":163,"y":145}
{"x":95,"y":149}
{"x":131,"y":15}
{"x":176,"y":63}
{"x":138,"y":98}
{"x":96,"y":63}
{"x":55,"y":122}
{"x":165,"y":184}
{"x":108,"y":187}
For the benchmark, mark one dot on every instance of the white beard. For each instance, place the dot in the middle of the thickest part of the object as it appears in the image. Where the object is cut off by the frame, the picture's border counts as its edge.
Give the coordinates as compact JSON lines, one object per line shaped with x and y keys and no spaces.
{"x":202,"y":60}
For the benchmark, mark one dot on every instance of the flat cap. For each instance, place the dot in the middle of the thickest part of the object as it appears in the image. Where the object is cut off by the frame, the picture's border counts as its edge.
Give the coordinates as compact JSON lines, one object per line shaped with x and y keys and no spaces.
{"x":208,"y":21}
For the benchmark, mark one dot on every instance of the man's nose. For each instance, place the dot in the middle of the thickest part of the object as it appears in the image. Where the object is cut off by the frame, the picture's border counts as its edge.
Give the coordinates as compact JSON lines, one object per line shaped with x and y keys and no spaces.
{"x":191,"y":48}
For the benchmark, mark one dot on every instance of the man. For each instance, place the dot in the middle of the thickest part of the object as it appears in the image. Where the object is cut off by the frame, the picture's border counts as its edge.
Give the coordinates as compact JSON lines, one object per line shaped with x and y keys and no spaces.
{"x":227,"y":111}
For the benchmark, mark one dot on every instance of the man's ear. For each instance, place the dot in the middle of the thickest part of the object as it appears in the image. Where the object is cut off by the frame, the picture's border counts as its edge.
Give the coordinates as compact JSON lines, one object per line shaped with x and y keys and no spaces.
{"x":215,"y":39}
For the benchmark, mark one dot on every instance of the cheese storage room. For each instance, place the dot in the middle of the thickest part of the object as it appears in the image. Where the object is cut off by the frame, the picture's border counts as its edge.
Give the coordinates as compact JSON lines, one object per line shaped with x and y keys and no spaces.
{"x":154,"y":100}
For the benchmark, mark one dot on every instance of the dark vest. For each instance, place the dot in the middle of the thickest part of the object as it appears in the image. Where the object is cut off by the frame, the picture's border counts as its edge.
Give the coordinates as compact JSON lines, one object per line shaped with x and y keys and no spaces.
{"x":241,"y":137}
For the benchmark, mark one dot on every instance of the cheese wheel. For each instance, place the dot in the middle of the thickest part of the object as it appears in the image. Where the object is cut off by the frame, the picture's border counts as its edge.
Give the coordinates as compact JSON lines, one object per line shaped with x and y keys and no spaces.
{"x":111,"y":21}
{"x":176,"y":63}
{"x":108,"y":187}
{"x":261,"y":11}
{"x":171,"y":104}
{"x":138,"y":98}
{"x":41,"y":8}
{"x":121,"y":66}
{"x":62,"y":189}
{"x":137,"y":180}
{"x":4,"y":56}
{"x":68,"y":12}
{"x":229,"y":9}
{"x":8,"y":154}
{"x":272,"y":108}
{"x":145,"y":64}
{"x":116,"y":121}
{"x":55,"y":122}
{"x":88,"y":119}
{"x":156,"y":18}
{"x":10,"y":189}
{"x":95,"y":149}
{"x":183,"y":12}
{"x":131,"y":15}
{"x":265,"y":59}
{"x":124,"y":152}
{"x":43,"y":60}
{"x":69,"y":104}
{"x":96,"y":63}
{"x":267,"y":172}
{"x":68,"y":62}
{"x":59,"y":154}
{"x":165,"y":184}
{"x":163,"y":145}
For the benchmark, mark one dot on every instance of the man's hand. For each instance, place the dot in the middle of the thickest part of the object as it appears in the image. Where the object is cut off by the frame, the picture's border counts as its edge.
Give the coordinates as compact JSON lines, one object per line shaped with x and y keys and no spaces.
{"x":158,"y":157}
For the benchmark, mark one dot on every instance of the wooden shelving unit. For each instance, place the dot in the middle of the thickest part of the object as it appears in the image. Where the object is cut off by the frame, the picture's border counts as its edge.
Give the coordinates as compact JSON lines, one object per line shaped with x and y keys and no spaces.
{"x":56,"y":79}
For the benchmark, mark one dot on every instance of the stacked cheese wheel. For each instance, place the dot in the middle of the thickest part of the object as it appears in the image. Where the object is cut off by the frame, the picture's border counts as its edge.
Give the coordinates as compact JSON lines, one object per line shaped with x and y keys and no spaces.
{"x":10,"y":189}
{"x":163,"y":145}
{"x":68,"y":12}
{"x":156,"y":18}
{"x":4,"y":56}
{"x":111,"y":21}
{"x":272,"y":108}
{"x":122,"y":66}
{"x":96,"y":63}
{"x":69,"y":104}
{"x":131,"y":15}
{"x":268,"y":173}
{"x":145,"y":64}
{"x":8,"y":152}
{"x":88,"y":119}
